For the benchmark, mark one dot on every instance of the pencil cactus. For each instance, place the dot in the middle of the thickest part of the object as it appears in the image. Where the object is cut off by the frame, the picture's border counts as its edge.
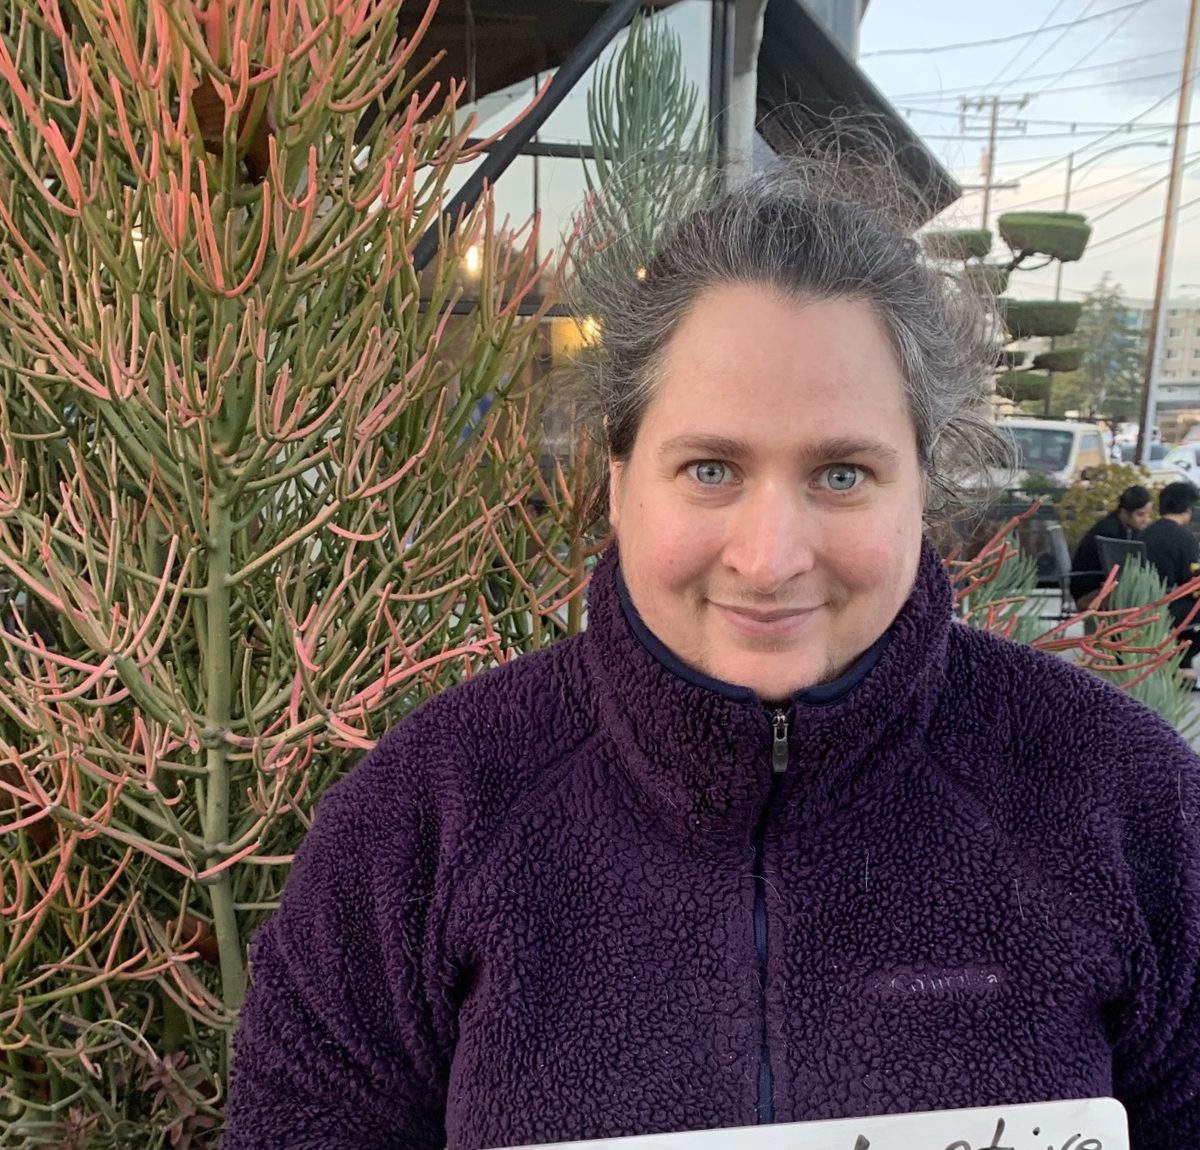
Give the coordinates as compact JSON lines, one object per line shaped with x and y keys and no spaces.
{"x":1127,"y":636}
{"x":261,"y":492}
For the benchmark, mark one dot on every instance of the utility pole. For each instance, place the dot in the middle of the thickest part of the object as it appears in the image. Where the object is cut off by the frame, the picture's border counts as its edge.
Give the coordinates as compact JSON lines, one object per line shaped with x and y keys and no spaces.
{"x":989,"y":158}
{"x":1167,"y":248}
{"x":1066,"y":208}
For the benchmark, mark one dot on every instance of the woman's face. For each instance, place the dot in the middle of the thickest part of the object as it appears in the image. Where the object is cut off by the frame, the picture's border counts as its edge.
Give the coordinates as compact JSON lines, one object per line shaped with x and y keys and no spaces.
{"x":769,"y":514}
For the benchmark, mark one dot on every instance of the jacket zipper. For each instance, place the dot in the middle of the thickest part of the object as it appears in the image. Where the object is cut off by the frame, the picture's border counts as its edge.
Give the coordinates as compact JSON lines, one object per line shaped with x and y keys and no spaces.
{"x":765,"y":1109}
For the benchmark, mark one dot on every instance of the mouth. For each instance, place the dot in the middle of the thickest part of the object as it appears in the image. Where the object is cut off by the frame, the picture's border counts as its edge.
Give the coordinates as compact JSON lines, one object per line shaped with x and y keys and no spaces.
{"x":775,"y":623}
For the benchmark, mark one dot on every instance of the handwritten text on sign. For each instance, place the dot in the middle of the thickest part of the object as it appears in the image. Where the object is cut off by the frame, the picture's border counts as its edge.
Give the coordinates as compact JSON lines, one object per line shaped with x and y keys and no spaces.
{"x":1084,"y":1124}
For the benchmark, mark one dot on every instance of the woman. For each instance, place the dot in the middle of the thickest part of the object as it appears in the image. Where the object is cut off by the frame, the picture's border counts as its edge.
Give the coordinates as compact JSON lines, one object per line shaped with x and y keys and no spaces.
{"x":774,"y":839}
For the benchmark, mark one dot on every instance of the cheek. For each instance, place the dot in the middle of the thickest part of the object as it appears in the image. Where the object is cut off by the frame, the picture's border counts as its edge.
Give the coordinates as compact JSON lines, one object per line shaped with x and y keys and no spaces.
{"x":882,"y":557}
{"x":664,"y":551}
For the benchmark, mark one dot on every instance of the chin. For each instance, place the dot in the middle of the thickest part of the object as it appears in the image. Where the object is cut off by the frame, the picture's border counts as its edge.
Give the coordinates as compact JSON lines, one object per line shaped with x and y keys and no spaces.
{"x":778,"y":690}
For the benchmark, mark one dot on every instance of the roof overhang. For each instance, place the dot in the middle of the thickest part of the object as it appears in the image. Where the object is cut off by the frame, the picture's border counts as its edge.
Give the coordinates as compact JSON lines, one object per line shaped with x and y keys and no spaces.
{"x":498,"y":43}
{"x":805,"y":77}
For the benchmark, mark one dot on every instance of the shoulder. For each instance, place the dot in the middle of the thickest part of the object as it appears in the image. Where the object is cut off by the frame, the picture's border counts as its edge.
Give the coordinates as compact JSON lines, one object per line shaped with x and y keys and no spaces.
{"x":1041,"y":683}
{"x":1100,"y":527}
{"x":986,"y":664}
{"x":1182,"y":534}
{"x":470,"y":752}
{"x":1045,"y":721}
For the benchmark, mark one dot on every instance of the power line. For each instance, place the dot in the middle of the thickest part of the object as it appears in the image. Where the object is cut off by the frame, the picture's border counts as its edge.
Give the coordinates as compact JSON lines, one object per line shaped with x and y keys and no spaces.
{"x":1099,"y":132}
{"x":1145,"y":112}
{"x":1187,"y":162}
{"x":1073,"y":68}
{"x":993,"y":41}
{"x":1017,"y":54}
{"x":1108,"y":83}
{"x":901,"y":101}
{"x":1129,"y":124}
{"x":943,"y":92}
{"x":1138,"y":227}
{"x":1049,"y":162}
{"x":1058,"y":40}
{"x":1098,"y":184}
{"x":1163,"y":126}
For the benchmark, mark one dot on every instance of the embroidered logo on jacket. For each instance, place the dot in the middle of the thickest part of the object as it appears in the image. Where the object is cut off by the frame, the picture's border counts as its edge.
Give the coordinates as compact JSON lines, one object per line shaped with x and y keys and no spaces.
{"x":911,"y":982}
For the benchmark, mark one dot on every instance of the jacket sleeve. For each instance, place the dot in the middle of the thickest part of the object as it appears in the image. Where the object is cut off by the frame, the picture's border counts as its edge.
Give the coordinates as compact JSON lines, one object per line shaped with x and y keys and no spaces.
{"x":343,"y":1041}
{"x":1156,"y":1057}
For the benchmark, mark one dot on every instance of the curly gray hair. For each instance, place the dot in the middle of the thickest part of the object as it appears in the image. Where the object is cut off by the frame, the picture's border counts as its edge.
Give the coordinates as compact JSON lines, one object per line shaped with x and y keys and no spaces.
{"x":814,"y":227}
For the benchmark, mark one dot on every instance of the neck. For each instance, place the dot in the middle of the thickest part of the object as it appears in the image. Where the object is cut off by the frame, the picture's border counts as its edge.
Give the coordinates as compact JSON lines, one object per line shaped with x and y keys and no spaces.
{"x":1182,"y":517}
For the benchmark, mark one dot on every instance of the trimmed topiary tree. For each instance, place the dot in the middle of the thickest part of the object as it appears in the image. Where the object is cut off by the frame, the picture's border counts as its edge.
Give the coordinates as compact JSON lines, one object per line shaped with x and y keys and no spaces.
{"x":1060,"y":360}
{"x":1025,"y":318}
{"x":958,"y":246}
{"x":1021,"y":386}
{"x":1061,"y":236}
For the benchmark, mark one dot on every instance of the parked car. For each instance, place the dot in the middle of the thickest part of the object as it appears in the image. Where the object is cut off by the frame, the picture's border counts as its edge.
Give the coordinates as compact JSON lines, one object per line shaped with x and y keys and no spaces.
{"x":1181,"y":462}
{"x":1158,"y":453}
{"x":1061,"y":450}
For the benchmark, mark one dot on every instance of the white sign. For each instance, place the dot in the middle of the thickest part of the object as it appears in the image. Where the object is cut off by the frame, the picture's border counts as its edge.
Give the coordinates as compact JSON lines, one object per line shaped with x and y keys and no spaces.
{"x":1083,"y":1124}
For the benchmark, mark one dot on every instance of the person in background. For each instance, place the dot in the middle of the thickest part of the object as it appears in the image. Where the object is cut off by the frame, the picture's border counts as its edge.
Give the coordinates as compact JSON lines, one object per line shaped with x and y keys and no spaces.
{"x":774,"y":838}
{"x":1174,"y":551}
{"x":1127,"y":520}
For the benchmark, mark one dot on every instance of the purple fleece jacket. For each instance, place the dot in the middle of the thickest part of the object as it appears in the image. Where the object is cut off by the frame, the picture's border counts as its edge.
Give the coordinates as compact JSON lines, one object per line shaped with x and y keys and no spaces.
{"x":573,"y":899}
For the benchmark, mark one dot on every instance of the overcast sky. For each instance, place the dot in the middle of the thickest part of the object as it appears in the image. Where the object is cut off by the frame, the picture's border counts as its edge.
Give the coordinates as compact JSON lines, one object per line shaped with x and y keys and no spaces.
{"x":1109,"y":77}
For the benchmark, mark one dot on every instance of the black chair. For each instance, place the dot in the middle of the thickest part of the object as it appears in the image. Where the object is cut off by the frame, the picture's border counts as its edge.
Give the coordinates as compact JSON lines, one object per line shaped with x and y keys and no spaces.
{"x":1058,"y":568}
{"x":1118,"y":552}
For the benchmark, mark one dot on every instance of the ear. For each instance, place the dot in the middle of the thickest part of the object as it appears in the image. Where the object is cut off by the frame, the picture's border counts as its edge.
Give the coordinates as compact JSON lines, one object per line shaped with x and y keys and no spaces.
{"x":616,"y":473}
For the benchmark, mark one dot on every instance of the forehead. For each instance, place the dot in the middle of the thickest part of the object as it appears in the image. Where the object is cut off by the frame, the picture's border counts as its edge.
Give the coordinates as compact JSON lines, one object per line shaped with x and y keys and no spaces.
{"x":752,"y":363}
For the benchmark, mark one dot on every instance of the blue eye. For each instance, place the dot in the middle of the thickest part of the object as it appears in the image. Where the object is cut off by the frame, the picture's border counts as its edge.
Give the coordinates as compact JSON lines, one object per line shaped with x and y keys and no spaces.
{"x":709,"y":472}
{"x":842,"y":477}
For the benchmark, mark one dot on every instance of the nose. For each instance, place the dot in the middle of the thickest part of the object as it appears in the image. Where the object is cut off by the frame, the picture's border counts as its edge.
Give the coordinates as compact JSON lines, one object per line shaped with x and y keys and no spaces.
{"x":771,"y":538}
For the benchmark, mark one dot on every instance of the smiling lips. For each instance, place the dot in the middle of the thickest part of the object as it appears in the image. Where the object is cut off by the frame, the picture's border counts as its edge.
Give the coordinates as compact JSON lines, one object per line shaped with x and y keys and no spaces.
{"x":776,"y":623}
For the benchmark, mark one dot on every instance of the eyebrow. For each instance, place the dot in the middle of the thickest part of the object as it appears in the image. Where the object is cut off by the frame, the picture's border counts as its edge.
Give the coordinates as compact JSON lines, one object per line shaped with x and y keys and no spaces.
{"x":718,"y":446}
{"x":728,"y":447}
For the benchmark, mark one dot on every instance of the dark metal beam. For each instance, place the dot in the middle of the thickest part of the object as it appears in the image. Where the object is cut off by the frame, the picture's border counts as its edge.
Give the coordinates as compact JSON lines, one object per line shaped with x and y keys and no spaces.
{"x":805,"y":77}
{"x":720,"y":77}
{"x":507,"y":149}
{"x":546,"y":151}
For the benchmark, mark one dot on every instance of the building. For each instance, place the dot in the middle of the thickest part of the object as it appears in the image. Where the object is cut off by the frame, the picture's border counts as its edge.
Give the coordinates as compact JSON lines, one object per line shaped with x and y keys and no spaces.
{"x":1178,"y":397}
{"x":766,"y":70}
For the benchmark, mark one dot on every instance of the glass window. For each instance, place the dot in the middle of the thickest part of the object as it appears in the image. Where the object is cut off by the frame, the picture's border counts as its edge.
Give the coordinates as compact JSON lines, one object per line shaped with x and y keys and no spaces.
{"x":690,"y":20}
{"x":556,"y":185}
{"x":1041,"y":448}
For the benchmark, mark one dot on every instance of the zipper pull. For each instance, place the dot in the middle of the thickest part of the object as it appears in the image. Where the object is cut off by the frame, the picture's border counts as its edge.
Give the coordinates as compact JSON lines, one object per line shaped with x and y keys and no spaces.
{"x":779,"y":742}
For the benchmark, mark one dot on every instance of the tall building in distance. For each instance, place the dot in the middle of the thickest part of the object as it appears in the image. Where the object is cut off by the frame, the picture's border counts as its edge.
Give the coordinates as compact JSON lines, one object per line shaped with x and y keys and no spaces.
{"x":1179,"y":367}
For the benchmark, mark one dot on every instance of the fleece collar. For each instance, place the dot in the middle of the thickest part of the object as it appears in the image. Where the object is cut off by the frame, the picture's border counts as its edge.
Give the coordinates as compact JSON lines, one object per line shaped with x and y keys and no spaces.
{"x":700,"y":749}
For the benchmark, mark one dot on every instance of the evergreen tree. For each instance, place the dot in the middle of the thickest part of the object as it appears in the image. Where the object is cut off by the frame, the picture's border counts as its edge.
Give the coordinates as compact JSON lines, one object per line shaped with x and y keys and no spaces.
{"x":1108,"y":383}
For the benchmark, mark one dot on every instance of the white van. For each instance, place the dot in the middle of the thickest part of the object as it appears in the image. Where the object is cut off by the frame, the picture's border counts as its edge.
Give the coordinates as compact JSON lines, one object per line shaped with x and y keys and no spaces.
{"x":1062,"y":450}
